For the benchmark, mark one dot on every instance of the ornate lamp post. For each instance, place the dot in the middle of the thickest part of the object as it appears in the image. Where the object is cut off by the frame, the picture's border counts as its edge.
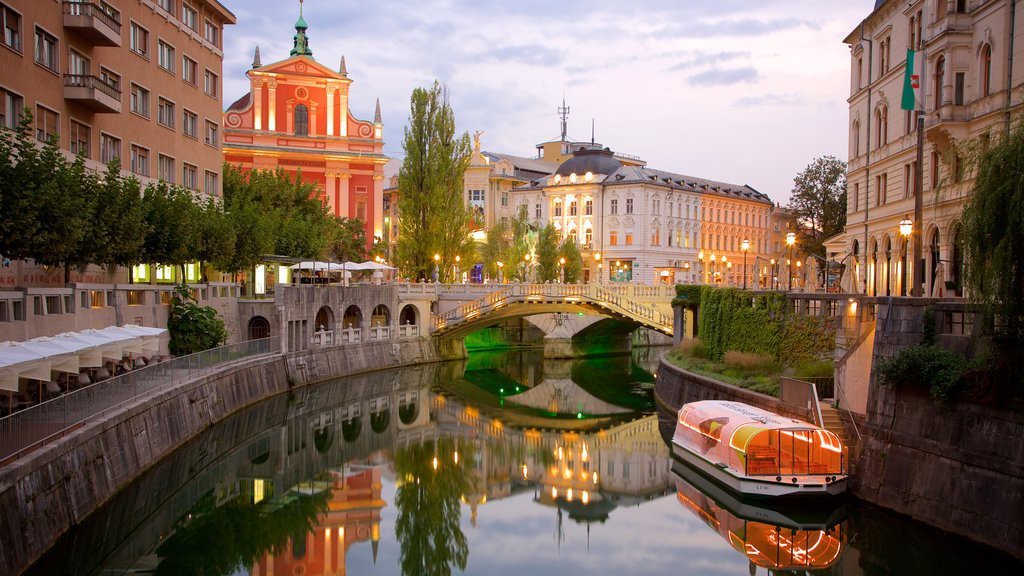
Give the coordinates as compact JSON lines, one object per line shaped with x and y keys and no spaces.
{"x":686,"y":270}
{"x":501,"y":279}
{"x":790,"y":241}
{"x":458,"y":269}
{"x":906,"y":227}
{"x":700,"y":258}
{"x":437,"y":263}
{"x":597,"y":259}
{"x":526,"y":267}
{"x":798,"y":264}
{"x":773,"y":273}
{"x":726,"y":270}
{"x":561,"y":270}
{"x":728,"y":267}
{"x":745,"y":245}
{"x":714,"y":277}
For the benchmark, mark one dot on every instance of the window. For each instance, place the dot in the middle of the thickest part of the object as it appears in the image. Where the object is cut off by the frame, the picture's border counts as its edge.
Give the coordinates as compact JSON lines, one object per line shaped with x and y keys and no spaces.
{"x":958,"y":89}
{"x":110,"y":79}
{"x":615,"y":206}
{"x":536,"y":211}
{"x":558,"y":208}
{"x":47,"y":124}
{"x":211,"y":134}
{"x":78,"y":65}
{"x":629,"y":205}
{"x":855,"y":197}
{"x":986,"y":70}
{"x":188,"y":17}
{"x":211,"y":183}
{"x":361,"y":210}
{"x":210,"y":83}
{"x":165,"y":113}
{"x":881,"y":126}
{"x":629,"y":238}
{"x":12,"y":27}
{"x":46,"y":49}
{"x":189,"y":176}
{"x":110,"y":148}
{"x":211,"y":32}
{"x":190,"y":124}
{"x":140,"y":160}
{"x":139,"y":101}
{"x":165,"y":167}
{"x":504,"y":197}
{"x":588,"y":207}
{"x":138,"y":41}
{"x":940,"y":76}
{"x":11,"y":107}
{"x":881,"y":194}
{"x":613,"y":238}
{"x":572,"y":208}
{"x":189,"y":70}
{"x":301,"y":120}
{"x":165,"y":56}
{"x":167,"y":5}
{"x":79,"y":139}
{"x":884,"y":53}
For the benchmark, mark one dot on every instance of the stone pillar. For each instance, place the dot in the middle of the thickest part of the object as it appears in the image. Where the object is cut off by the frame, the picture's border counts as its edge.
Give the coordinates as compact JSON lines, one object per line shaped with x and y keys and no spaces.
{"x":272,"y":108}
{"x":331,"y":91}
{"x":343,"y":195}
{"x":312,"y":118}
{"x":257,"y":104}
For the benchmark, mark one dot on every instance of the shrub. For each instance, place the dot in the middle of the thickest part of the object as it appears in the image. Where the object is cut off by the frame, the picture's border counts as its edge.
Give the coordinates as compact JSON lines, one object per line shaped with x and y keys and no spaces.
{"x":940,"y":369}
{"x":687,"y":347}
{"x":193,"y":328}
{"x":748,"y":361}
{"x":815,"y":369}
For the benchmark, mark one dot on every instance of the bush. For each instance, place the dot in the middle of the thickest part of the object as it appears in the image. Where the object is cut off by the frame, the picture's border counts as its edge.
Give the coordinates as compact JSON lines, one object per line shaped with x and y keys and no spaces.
{"x":815,"y":369}
{"x":692,"y":348}
{"x":940,"y":369}
{"x":193,"y":328}
{"x":748,"y":361}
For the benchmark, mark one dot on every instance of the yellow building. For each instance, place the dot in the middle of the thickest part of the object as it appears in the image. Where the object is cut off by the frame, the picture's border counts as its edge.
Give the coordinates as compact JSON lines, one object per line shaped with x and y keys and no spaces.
{"x":968,"y":83}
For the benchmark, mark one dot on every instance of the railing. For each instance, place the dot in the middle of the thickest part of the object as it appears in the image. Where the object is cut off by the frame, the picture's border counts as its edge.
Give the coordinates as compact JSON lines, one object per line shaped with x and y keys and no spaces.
{"x":612,"y":298}
{"x":32,"y":427}
{"x":323,"y":338}
{"x":87,"y":81}
{"x":350,"y":335}
{"x":408,"y":330}
{"x":380,"y":333}
{"x":825,"y":386}
{"x":90,"y":9}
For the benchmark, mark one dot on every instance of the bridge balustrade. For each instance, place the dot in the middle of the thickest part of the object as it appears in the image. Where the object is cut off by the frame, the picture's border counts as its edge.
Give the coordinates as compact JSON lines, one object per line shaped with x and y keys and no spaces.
{"x":409,"y":331}
{"x":350,"y":335}
{"x":323,"y":338}
{"x":380,"y":332}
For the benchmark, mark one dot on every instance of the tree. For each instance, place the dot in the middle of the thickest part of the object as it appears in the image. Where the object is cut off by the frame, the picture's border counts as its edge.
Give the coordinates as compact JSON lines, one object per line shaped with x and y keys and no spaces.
{"x":213,"y":239}
{"x":819,"y":203}
{"x":573,"y":269}
{"x":193,"y":328}
{"x":21,"y":172}
{"x":547,"y":254}
{"x":118,"y":231}
{"x":171,"y":220}
{"x":348,"y":240}
{"x":993,"y":240}
{"x":434,"y":218}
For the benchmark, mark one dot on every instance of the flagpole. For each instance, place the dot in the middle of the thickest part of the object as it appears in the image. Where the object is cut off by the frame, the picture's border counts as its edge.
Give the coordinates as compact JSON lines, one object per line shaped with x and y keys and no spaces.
{"x":915,"y":233}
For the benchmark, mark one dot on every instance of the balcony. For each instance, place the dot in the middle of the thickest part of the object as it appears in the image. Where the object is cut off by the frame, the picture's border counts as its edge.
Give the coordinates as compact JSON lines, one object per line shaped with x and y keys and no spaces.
{"x":93,"y":23}
{"x":92,"y":93}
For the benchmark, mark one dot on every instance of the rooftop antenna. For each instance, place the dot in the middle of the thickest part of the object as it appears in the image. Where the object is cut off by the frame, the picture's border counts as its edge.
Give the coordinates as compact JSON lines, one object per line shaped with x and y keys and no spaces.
{"x":592,"y":125}
{"x":563,"y":111}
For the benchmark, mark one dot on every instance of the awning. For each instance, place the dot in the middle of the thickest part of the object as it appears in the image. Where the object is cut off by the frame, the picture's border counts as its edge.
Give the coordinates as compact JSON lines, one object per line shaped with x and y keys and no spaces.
{"x":16,"y":361}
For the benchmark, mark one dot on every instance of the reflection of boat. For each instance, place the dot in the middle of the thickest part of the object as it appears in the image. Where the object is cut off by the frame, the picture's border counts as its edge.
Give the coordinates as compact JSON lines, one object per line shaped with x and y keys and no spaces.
{"x":770,"y":535}
{"x":757,"y":453}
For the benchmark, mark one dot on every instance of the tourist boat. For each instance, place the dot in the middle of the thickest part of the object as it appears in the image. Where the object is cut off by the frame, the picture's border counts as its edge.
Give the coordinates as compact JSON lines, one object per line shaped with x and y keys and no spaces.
{"x":757,"y":453}
{"x":773,"y":534}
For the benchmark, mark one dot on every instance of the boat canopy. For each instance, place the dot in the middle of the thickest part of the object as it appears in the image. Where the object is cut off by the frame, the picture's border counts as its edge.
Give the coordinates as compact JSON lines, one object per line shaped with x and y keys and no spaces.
{"x":755,"y":442}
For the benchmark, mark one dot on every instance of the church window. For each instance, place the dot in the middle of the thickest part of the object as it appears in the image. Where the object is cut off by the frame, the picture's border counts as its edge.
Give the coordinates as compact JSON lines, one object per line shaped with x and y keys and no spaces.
{"x":301,"y":120}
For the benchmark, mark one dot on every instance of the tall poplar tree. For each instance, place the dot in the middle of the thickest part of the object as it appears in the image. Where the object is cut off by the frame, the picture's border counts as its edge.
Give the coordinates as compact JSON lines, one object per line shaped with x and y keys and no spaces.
{"x":434,"y":217}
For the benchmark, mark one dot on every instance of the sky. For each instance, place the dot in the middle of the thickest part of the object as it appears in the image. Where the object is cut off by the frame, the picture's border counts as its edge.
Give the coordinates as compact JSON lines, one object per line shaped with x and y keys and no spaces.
{"x":736,"y":91}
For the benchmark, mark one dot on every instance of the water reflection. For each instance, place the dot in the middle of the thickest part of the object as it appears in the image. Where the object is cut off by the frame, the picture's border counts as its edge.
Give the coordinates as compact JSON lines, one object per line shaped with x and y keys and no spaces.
{"x":449,"y":468}
{"x":805,"y":537}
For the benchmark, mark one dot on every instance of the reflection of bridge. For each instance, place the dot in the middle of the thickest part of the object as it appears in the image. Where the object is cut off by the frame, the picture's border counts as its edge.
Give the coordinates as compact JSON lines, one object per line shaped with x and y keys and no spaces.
{"x":637,"y":304}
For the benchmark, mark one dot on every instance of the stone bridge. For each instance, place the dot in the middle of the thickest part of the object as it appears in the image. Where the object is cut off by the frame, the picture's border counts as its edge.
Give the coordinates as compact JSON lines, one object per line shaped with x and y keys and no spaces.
{"x":305,"y":316}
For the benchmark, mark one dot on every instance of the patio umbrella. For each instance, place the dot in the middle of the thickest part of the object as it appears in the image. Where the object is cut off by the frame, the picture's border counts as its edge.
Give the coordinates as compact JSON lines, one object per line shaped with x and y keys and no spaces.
{"x":16,"y":362}
{"x":148,"y":336}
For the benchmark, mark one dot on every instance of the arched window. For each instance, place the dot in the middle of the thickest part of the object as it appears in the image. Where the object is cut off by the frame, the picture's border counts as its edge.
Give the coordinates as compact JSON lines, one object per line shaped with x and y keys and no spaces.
{"x":881,"y":126}
{"x":301,"y":120}
{"x":940,"y":79}
{"x":856,"y":138}
{"x":986,"y":70}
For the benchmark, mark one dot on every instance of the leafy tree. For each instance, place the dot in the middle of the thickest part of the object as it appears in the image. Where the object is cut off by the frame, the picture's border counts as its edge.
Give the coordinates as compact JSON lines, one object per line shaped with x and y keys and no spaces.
{"x":64,"y":201}
{"x":496,"y":248}
{"x":348,"y":240}
{"x":818,"y":201}
{"x":993,"y":241}
{"x":214,"y":237}
{"x":435,"y":220}
{"x":547,"y":254}
{"x":21,"y":172}
{"x":252,"y":222}
{"x":193,"y":328}
{"x":171,"y":221}
{"x":573,"y":268}
{"x":118,"y":232}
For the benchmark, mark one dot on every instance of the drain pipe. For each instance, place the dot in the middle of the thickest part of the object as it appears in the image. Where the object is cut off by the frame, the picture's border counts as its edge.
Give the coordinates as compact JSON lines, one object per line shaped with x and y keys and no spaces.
{"x":1009,"y":68}
{"x":867,"y":162}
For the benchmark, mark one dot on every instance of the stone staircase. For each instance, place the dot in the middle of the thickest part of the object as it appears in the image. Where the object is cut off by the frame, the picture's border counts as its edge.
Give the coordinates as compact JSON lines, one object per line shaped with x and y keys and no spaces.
{"x":833,"y":422}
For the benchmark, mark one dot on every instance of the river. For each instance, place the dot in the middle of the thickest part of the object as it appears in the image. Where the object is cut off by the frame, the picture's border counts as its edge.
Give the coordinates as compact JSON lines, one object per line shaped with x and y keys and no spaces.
{"x":503,"y":464}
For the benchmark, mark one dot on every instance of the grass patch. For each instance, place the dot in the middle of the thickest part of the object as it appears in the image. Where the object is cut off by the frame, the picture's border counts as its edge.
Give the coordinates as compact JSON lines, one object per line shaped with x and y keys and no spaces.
{"x":743,"y":369}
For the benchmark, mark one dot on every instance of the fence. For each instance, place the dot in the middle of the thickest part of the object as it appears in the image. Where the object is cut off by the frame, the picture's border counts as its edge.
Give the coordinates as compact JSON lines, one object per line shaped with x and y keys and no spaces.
{"x":27,"y":429}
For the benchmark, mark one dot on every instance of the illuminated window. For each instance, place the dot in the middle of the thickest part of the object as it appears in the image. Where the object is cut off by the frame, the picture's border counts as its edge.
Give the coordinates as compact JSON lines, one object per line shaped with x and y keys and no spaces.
{"x":301,"y":120}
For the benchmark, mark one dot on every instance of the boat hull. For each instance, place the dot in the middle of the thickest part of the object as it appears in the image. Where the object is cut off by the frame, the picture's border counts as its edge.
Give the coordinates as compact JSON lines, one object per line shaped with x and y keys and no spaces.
{"x":762,"y":486}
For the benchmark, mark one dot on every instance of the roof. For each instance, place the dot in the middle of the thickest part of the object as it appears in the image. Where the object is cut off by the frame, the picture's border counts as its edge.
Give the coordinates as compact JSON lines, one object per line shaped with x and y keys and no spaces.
{"x":593,"y":160}
{"x":242,"y":103}
{"x":534,"y":165}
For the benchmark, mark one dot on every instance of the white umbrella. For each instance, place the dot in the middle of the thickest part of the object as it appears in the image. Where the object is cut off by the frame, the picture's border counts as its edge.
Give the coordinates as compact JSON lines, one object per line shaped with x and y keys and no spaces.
{"x":17,"y":361}
{"x":60,"y":358}
{"x":310,"y":266}
{"x":130,"y":343}
{"x":149,"y":336}
{"x":370,"y":265}
{"x":91,"y":347}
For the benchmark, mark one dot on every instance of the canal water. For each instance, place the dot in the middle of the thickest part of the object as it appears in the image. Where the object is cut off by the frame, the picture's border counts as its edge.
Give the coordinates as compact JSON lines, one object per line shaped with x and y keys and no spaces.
{"x":506,"y":464}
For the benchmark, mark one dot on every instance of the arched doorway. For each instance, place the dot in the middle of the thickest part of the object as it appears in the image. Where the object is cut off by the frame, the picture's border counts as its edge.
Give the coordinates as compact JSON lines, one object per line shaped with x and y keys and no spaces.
{"x":855,"y":282}
{"x":353,"y":318}
{"x":936,"y":268}
{"x":408,"y":315}
{"x":956,"y":267}
{"x":887,"y":274}
{"x":873,"y":265}
{"x":381,"y":317}
{"x":259,"y":328}
{"x":324,"y":319}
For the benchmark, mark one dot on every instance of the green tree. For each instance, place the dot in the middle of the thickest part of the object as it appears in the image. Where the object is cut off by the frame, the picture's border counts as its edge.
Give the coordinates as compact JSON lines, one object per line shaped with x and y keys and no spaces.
{"x":348,"y":240}
{"x":64,"y":202}
{"x":21,"y":172}
{"x":818,"y":201}
{"x":434,"y":218}
{"x":118,"y":232}
{"x":573,"y":269}
{"x":193,"y":328}
{"x":170,"y":225}
{"x":547,"y":254}
{"x":253,"y":222}
{"x":213,"y":238}
{"x":993,"y":241}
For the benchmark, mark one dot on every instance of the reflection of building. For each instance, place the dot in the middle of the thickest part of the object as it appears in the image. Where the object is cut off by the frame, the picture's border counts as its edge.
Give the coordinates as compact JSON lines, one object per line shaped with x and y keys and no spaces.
{"x":969,"y":62}
{"x":296,"y":117}
{"x":353,"y":516}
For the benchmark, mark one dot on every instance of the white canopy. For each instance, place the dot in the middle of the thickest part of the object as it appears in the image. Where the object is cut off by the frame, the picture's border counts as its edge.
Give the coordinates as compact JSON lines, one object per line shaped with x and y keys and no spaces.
{"x":310,"y":266}
{"x":70,"y":351}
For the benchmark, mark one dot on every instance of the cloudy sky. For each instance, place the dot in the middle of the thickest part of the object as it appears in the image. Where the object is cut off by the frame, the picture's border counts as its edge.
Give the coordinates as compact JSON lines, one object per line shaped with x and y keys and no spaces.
{"x":733,"y":90}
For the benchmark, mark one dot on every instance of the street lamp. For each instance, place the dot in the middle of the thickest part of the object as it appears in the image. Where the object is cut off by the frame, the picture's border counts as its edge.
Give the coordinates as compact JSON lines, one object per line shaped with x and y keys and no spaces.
{"x":561,"y":269}
{"x":714,"y":273}
{"x":745,"y":245}
{"x":500,"y":278}
{"x":790,"y":241}
{"x":798,"y":264}
{"x":526,"y":267}
{"x":686,"y":269}
{"x":728,"y":267}
{"x":700,"y":258}
{"x":773,"y":272}
{"x":906,"y":227}
{"x":437,"y":263}
{"x":597,"y":258}
{"x":458,"y":275}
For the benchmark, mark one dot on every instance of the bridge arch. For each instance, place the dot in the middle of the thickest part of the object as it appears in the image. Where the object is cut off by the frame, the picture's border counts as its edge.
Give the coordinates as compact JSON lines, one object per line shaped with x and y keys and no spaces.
{"x":324,"y":319}
{"x":408,"y":316}
{"x":353,"y":317}
{"x":258,"y":328}
{"x":381,"y":316}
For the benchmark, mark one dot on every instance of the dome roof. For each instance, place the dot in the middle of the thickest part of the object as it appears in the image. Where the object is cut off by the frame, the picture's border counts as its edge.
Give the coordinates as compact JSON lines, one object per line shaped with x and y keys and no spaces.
{"x":595,"y":160}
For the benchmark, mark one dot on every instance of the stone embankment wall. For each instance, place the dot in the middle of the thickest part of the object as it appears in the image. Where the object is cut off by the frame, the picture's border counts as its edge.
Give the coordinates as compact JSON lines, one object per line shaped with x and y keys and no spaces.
{"x":45,"y":493}
{"x":959,"y":467}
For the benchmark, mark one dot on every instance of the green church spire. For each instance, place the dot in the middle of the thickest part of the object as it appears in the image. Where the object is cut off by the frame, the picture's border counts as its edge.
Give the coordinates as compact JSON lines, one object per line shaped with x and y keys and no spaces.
{"x":301,"y":46}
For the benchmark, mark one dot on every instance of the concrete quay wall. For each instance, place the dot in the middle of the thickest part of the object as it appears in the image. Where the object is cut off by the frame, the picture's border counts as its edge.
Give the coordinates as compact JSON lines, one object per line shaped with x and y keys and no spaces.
{"x":47,"y":492}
